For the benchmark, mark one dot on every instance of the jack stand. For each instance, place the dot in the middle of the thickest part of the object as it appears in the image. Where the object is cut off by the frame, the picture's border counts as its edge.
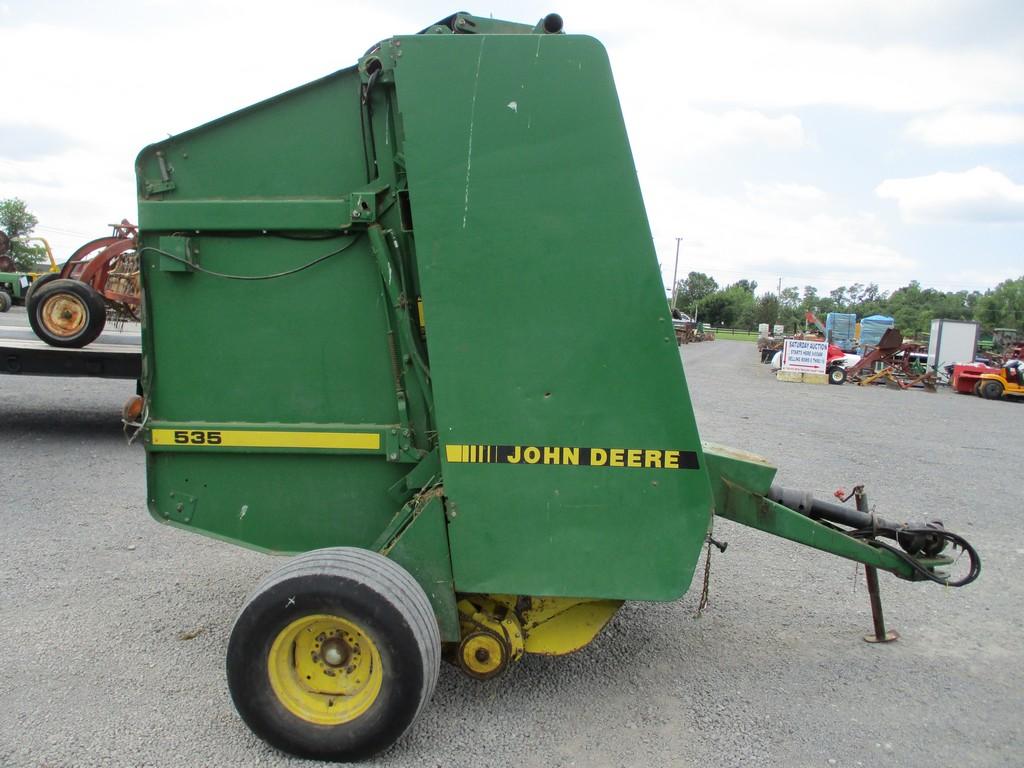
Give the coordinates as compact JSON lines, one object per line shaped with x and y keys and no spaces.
{"x":871,"y":575}
{"x":881,"y":635}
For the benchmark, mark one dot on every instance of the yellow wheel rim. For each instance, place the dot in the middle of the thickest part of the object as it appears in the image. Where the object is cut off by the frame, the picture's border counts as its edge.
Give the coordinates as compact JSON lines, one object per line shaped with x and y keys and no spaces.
{"x":64,"y":315}
{"x":325,"y":669}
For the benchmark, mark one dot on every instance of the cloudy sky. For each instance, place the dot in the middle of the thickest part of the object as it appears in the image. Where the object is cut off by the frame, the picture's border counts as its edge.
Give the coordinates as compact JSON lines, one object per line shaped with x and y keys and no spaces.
{"x":817,"y":142}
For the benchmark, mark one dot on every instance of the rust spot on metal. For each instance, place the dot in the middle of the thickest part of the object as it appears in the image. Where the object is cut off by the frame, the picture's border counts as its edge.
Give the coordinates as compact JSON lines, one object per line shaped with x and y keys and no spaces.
{"x":63,"y":314}
{"x":765,"y":513}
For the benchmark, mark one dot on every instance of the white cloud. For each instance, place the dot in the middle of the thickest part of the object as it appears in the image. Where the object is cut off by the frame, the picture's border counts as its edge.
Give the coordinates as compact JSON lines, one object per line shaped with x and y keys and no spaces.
{"x":786,"y":197}
{"x":978,"y":195}
{"x":878,"y":22}
{"x":54,"y":186}
{"x":114,"y":101}
{"x":698,"y":131}
{"x":704,"y":130}
{"x":781,"y":230}
{"x":18,"y":173}
{"x":960,"y":127}
{"x":694,"y":78}
{"x":729,"y":55}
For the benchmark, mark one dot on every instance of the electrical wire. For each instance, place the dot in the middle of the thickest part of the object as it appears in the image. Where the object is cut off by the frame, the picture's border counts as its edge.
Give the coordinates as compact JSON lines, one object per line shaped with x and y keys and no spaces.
{"x":273,"y":276}
{"x":61,"y":230}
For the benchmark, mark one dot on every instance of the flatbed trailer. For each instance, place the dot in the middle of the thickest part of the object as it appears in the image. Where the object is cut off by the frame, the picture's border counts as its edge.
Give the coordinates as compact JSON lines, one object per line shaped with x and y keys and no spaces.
{"x":114,"y":355}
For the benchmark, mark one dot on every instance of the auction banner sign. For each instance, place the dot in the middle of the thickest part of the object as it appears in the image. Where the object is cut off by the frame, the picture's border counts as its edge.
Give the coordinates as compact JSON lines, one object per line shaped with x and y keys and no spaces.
{"x":801,"y":356}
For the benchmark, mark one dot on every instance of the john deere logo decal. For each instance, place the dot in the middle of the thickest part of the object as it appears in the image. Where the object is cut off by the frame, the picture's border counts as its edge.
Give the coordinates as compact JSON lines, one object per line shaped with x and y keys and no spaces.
{"x":638,"y":458}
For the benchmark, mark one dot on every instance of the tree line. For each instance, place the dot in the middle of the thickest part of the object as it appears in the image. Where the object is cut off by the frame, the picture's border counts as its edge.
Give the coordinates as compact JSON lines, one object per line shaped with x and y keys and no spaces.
{"x":17,"y":223}
{"x":913,"y":307}
{"x":737,"y":305}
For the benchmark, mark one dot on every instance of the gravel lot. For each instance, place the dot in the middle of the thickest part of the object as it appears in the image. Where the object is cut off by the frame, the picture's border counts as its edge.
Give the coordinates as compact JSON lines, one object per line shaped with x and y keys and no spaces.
{"x":114,"y":628}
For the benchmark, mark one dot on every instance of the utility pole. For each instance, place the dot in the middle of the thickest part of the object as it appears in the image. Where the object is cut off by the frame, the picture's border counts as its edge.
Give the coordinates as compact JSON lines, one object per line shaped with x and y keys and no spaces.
{"x":779,"y":305}
{"x":675,"y":274}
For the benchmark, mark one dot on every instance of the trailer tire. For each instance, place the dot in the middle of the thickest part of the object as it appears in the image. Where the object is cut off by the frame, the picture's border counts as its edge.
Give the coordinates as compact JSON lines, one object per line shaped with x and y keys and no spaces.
{"x":38,"y":283}
{"x":334,"y":655}
{"x":836,"y":375}
{"x":67,"y":313}
{"x":991,"y":390}
{"x":5,"y":301}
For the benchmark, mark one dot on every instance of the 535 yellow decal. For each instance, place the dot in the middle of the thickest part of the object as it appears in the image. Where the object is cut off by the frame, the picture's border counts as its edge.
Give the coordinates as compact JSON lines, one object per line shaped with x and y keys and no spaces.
{"x":197,"y":437}
{"x":256,"y":438}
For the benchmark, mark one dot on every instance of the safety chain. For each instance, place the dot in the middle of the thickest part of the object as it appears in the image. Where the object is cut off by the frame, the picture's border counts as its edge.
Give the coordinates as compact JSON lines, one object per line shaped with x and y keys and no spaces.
{"x":705,"y":592}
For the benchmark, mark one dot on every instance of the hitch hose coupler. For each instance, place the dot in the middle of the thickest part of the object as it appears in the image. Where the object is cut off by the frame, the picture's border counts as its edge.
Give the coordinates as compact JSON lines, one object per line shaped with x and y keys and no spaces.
{"x":921,"y":538}
{"x":927,"y":539}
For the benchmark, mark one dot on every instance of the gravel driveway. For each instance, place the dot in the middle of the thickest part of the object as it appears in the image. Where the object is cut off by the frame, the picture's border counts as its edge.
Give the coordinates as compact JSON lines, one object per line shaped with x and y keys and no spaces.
{"x":113,"y":628}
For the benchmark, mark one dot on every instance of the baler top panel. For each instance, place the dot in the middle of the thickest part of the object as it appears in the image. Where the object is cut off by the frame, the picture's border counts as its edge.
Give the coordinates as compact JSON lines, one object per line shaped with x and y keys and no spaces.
{"x":546,"y":330}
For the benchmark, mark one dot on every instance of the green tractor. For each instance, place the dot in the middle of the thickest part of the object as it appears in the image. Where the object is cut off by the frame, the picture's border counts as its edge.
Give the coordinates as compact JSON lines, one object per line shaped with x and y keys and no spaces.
{"x":16,"y":285}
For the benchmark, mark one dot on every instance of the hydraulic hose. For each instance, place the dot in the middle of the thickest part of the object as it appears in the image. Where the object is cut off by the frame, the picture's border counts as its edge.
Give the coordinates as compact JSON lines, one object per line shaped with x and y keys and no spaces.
{"x":923,"y":539}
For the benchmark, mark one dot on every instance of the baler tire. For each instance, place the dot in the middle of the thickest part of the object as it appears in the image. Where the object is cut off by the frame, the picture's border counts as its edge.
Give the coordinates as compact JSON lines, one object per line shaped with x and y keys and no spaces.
{"x":991,"y":390}
{"x":85,"y":308}
{"x":5,"y":301}
{"x":387,"y":632}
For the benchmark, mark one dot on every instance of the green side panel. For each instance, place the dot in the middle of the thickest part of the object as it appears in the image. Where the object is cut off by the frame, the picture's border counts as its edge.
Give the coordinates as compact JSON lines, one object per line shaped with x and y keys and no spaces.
{"x":309,"y":349}
{"x":422,"y":549}
{"x":245,"y":214}
{"x":276,"y":503}
{"x":747,"y":470}
{"x":305,"y":143}
{"x":546,"y":320}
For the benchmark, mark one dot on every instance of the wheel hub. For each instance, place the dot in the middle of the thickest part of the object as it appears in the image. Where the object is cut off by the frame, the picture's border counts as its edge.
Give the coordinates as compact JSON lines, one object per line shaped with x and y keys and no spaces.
{"x":335,"y":652}
{"x":483,"y":655}
{"x":325,"y":669}
{"x":63,"y":315}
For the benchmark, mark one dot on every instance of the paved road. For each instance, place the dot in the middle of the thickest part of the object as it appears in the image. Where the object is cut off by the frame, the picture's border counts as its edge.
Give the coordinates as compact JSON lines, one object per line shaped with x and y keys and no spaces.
{"x":113,"y":628}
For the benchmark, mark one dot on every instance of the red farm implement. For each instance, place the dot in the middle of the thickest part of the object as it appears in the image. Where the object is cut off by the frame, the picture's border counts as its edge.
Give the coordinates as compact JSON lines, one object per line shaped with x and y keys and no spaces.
{"x":69,"y":308}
